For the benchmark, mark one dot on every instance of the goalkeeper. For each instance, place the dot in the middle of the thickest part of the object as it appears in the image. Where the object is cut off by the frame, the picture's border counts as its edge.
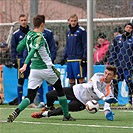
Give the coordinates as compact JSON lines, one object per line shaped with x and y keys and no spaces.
{"x":99,"y":87}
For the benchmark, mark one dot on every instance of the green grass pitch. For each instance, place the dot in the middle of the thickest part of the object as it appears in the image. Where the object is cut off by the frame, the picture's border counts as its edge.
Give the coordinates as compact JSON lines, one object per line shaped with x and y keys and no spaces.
{"x":85,"y":122}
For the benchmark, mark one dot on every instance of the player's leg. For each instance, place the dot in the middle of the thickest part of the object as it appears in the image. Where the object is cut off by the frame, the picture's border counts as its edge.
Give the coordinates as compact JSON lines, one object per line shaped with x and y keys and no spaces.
{"x":40,"y":95}
{"x":20,"y":89}
{"x":20,"y":81}
{"x":70,"y":74}
{"x":73,"y":105}
{"x":34,"y":81}
{"x":24,"y":103}
{"x":79,"y":72}
{"x":54,"y":79}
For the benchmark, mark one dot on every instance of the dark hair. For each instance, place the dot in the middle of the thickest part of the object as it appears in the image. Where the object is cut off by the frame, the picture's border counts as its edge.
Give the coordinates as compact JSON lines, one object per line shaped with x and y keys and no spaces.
{"x":101,"y":35}
{"x":111,"y":68}
{"x":38,"y":20}
{"x":118,"y":29}
{"x":128,"y":24}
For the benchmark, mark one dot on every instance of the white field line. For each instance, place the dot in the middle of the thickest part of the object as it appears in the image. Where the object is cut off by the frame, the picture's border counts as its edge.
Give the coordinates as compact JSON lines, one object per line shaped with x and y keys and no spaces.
{"x":39,"y":109}
{"x":77,"y":125}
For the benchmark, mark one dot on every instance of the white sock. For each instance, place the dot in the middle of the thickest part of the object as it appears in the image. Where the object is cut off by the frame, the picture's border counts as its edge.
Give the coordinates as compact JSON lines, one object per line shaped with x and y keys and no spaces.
{"x":42,"y":103}
{"x":45,"y":114}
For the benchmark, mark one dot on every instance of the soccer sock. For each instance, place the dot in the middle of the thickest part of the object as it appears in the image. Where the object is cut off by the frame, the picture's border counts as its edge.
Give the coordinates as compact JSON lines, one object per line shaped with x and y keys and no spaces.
{"x":20,"y":92}
{"x":64,"y":105}
{"x":25,"y":102}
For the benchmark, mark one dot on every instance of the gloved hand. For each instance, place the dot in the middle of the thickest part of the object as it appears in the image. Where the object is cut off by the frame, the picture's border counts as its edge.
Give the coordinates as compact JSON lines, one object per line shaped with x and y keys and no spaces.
{"x":83,"y":63}
{"x":15,"y":64}
{"x":109,"y":115}
{"x":63,"y":61}
{"x":111,"y":100}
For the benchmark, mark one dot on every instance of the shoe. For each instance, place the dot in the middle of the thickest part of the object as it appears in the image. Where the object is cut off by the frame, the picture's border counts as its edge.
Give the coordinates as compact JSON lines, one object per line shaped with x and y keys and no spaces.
{"x":37,"y":115}
{"x":69,"y":118}
{"x":13,"y":115}
{"x":32,"y":105}
{"x":46,"y":108}
{"x":40,"y":105}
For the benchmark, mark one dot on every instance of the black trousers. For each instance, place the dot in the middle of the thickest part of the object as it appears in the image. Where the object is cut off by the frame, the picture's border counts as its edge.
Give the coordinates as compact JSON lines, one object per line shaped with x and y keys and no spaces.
{"x":73,"y":105}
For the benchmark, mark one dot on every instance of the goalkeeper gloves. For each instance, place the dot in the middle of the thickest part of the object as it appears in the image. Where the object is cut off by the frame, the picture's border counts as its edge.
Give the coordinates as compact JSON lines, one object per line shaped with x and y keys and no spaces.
{"x":109,"y":115}
{"x":110,"y":100}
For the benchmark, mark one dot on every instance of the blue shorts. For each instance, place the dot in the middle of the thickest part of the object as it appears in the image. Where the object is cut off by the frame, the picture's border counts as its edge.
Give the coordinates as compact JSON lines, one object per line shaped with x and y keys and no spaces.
{"x":75,"y":71}
{"x":24,"y":75}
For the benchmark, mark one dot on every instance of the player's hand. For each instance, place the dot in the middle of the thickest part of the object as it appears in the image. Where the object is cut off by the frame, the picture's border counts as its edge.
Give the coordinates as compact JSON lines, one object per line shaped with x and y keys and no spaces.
{"x":22,"y":69}
{"x":109,"y":115}
{"x":63,"y":61}
{"x":83,"y":63}
{"x":111,"y":100}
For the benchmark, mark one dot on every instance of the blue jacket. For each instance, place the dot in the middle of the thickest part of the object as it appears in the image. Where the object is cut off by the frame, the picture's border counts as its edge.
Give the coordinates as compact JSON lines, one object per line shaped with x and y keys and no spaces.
{"x":48,"y":35}
{"x":76,"y":44}
{"x":18,"y":35}
{"x":121,"y":52}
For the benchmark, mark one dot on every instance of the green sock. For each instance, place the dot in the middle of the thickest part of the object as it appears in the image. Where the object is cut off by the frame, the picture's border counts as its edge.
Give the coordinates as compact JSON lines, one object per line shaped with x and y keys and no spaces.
{"x":64,"y":105}
{"x":25,"y":102}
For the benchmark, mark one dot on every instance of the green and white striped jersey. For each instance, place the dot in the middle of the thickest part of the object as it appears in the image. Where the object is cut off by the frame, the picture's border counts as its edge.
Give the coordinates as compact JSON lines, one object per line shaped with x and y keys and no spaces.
{"x":38,"y":50}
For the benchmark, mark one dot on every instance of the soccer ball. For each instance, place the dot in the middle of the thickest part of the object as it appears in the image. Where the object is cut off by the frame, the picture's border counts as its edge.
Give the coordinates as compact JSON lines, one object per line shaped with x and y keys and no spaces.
{"x":92,"y":106}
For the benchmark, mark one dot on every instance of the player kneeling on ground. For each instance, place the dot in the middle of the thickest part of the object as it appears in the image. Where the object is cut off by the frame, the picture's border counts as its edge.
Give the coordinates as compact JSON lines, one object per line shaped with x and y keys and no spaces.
{"x":99,"y":87}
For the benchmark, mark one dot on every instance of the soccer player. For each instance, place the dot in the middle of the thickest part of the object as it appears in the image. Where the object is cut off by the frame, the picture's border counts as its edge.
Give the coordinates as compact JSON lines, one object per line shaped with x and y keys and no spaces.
{"x":98,"y":87}
{"x":41,"y":69}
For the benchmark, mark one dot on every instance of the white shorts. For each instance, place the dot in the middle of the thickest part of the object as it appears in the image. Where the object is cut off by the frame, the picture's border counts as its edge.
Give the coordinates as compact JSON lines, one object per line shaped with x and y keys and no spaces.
{"x":37,"y":76}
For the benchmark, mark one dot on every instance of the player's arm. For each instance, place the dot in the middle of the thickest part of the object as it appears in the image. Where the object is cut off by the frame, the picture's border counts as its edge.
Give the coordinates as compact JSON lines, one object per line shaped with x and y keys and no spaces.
{"x":22,"y":45}
{"x":52,"y":46}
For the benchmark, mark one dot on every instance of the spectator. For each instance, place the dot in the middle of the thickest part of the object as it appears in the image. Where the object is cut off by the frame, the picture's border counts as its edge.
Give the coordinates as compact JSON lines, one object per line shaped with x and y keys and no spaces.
{"x":75,"y":51}
{"x":19,"y":57}
{"x":59,"y":50}
{"x":117,"y":31}
{"x":5,"y":57}
{"x":121,"y":55}
{"x":101,"y":50}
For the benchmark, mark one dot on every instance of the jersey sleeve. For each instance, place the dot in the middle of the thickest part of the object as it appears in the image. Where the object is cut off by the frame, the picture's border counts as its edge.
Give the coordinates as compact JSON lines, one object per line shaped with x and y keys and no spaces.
{"x":30,"y":55}
{"x":95,"y":81}
{"x":22,"y":45}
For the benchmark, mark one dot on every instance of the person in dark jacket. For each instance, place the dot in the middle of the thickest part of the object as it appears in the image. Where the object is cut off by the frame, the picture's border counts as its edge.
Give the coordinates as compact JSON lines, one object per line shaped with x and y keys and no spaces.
{"x":121,"y":55}
{"x":19,"y":57}
{"x":75,"y":51}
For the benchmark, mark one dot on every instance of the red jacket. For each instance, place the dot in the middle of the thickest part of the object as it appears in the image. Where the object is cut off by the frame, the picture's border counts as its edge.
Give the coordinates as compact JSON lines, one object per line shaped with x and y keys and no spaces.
{"x":100,"y":51}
